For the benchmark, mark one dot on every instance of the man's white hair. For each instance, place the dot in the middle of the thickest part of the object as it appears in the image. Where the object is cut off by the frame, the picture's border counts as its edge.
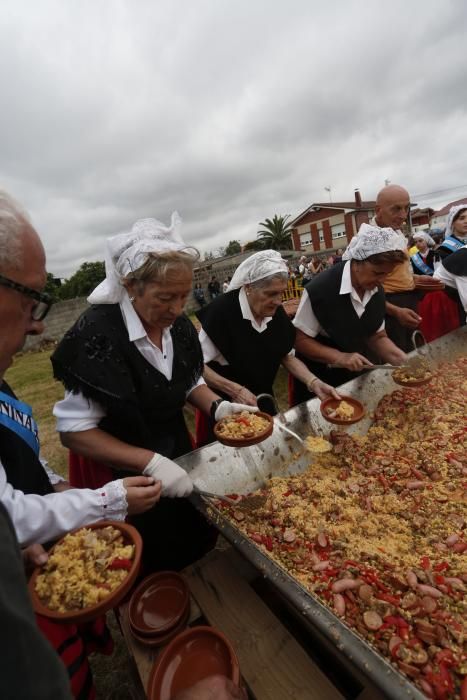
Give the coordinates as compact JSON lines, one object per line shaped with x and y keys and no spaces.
{"x":12,"y":220}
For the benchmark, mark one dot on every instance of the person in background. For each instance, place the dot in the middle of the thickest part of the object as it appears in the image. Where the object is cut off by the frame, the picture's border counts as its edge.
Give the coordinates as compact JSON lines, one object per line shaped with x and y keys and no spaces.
{"x":243,"y":356}
{"x":340,"y":318}
{"x":455,"y":235}
{"x":337,"y":258}
{"x":128,"y":365}
{"x":315,"y":266}
{"x":214,"y":288}
{"x":198,"y":294}
{"x":391,"y":211}
{"x":225,"y":285}
{"x":423,"y":260}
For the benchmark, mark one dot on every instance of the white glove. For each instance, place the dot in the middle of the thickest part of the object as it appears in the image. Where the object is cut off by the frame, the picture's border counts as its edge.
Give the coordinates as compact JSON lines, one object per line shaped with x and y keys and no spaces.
{"x":175,"y":481}
{"x":226,"y":408}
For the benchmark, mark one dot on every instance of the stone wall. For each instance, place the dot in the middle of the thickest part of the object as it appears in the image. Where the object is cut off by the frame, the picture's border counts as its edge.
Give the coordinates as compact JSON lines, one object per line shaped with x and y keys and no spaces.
{"x":61,"y":316}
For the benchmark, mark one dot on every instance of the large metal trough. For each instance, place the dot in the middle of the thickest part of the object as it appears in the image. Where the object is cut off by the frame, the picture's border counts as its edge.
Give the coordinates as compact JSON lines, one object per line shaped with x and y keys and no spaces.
{"x":221,"y":469}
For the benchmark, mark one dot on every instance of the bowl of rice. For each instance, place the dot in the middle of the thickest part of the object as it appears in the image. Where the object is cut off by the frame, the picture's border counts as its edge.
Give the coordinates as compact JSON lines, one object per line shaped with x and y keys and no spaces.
{"x":344,"y":411}
{"x":89,"y":571}
{"x":244,"y":429}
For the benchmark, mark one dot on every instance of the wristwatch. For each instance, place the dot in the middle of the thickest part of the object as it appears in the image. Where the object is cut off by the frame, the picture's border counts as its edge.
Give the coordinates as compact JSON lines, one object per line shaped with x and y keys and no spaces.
{"x":214,"y":406}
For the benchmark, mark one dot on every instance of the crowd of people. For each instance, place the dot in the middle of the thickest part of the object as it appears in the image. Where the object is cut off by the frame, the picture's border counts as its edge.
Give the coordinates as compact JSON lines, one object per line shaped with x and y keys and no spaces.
{"x":133,"y":360}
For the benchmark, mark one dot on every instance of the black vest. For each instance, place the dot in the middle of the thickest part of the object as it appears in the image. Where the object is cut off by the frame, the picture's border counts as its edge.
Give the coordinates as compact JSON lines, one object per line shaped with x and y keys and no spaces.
{"x":143,"y":408}
{"x":19,"y":446}
{"x":337,"y":316}
{"x":254,"y":358}
{"x":456,"y":263}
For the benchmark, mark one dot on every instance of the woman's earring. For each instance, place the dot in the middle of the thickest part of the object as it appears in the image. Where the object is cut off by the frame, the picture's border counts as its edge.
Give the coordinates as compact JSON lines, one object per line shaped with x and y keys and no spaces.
{"x":132,"y":299}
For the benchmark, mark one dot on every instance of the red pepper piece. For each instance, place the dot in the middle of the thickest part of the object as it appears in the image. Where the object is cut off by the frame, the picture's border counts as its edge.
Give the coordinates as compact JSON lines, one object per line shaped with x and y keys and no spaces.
{"x":425,"y":563}
{"x":120,"y":563}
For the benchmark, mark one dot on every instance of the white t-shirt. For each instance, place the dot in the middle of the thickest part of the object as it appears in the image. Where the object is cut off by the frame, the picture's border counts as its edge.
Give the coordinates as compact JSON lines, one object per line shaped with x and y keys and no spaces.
{"x":212,"y":353}
{"x":76,"y":413}
{"x":305,"y":318}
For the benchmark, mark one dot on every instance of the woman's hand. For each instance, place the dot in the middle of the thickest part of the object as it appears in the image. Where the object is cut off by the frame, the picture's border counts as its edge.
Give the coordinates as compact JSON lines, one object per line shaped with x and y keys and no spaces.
{"x":33,"y":556}
{"x":323,"y":391}
{"x":175,"y":481}
{"x":352,"y":361}
{"x":227,"y":408}
{"x":142,"y":493}
{"x":244,"y":395}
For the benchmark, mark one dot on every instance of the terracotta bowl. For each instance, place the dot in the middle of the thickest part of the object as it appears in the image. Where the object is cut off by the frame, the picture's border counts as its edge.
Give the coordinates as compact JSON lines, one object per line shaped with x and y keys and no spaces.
{"x":413,"y":382}
{"x":244,"y":442}
{"x":158,"y":604}
{"x":193,"y":655}
{"x":331,"y":404}
{"x":159,"y":640}
{"x":130,"y":536}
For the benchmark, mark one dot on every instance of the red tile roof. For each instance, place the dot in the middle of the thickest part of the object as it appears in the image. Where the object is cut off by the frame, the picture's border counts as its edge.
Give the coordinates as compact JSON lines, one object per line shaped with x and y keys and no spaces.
{"x":445,"y":210}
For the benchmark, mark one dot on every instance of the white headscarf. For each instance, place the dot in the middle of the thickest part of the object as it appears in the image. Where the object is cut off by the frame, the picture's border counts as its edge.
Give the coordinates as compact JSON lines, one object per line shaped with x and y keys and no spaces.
{"x":127,"y":252}
{"x":452,"y":212}
{"x":258,"y":266}
{"x":371,"y":240}
{"x":426,"y":237}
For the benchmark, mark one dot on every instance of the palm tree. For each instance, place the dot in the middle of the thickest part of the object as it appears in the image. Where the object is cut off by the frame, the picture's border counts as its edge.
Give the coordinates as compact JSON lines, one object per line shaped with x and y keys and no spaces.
{"x":277,"y":233}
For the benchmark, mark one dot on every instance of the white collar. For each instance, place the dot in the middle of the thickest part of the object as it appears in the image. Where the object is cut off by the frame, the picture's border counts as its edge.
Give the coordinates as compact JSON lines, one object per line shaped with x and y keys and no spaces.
{"x":135,"y":328}
{"x":347,"y":288}
{"x":248,"y":314}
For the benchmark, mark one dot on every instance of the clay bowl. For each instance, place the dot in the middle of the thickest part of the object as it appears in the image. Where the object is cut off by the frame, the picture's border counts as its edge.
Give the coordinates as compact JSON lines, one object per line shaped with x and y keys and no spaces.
{"x":159,"y":640}
{"x":158,"y":604}
{"x":195,"y":654}
{"x":411,"y":382}
{"x":130,"y":536}
{"x":331,"y":404}
{"x":244,"y":441}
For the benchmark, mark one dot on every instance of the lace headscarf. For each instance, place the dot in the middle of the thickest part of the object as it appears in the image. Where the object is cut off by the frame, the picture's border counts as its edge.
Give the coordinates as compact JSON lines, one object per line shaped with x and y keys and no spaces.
{"x":452,"y":213}
{"x":127,"y":252}
{"x":371,"y":240}
{"x":426,"y":237}
{"x":258,"y":266}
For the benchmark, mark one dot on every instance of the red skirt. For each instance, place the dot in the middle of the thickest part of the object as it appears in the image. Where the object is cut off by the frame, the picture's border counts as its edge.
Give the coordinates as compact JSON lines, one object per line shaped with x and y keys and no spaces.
{"x":85,"y":473}
{"x":73,"y":643}
{"x":440,"y":315}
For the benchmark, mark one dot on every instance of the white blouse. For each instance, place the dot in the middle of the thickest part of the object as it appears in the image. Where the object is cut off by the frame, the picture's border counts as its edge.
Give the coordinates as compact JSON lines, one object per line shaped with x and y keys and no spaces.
{"x":75,"y":413}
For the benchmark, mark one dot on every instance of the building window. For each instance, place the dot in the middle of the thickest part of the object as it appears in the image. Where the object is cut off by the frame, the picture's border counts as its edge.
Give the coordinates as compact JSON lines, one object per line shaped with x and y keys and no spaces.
{"x":321,"y":235}
{"x":305,"y":239}
{"x":338,"y":231}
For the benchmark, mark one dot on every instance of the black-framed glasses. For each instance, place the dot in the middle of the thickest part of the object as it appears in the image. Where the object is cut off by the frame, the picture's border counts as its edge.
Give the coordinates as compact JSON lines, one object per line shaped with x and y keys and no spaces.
{"x":44,"y":301}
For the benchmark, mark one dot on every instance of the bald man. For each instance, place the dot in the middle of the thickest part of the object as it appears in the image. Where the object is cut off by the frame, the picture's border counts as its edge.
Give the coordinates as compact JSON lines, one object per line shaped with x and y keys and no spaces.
{"x":391,"y":211}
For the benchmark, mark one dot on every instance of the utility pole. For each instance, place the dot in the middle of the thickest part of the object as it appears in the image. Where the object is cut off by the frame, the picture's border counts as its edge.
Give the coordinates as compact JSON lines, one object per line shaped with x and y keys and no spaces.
{"x":328,"y":190}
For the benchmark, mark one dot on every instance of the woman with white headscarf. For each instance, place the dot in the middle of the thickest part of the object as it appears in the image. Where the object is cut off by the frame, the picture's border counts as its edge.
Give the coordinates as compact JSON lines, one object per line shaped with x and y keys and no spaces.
{"x":455,"y":235}
{"x":246,"y":334}
{"x":340,"y":318}
{"x":129,"y":364}
{"x":423,"y":261}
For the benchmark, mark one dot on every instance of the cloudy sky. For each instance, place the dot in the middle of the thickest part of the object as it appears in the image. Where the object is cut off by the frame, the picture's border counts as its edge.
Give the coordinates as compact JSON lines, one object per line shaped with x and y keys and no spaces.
{"x":229,"y":111}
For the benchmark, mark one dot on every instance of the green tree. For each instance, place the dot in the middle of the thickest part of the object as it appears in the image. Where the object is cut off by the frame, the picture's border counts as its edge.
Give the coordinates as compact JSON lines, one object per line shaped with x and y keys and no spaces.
{"x":52,"y":287}
{"x":276,"y":233}
{"x":85,"y":279}
{"x":253,"y":245}
{"x":233,"y":248}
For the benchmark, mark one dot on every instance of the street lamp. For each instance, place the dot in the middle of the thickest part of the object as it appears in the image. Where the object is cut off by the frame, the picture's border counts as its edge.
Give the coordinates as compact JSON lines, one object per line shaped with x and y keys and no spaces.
{"x":328,"y":189}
